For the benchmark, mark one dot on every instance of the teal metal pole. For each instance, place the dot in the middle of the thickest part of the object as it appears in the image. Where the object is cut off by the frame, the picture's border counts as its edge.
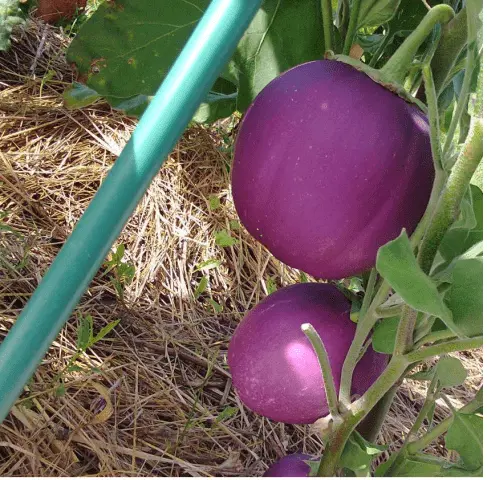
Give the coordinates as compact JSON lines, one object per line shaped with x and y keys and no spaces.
{"x":206,"y":53}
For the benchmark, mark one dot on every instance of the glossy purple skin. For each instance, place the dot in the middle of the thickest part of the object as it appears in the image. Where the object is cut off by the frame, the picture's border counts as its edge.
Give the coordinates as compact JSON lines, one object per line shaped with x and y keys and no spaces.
{"x":274,"y":367}
{"x":290,"y":466}
{"x":329,"y":166}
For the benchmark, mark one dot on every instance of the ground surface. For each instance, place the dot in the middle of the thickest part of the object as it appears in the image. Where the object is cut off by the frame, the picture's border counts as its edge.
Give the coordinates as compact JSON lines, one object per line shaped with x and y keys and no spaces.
{"x":163,"y":368}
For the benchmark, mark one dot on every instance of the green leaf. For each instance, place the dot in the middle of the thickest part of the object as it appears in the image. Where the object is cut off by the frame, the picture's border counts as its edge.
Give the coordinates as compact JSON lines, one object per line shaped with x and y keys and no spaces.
{"x":358,"y":454}
{"x":423,"y":466}
{"x":314,"y":467}
{"x":126,"y":47}
{"x":397,"y":264}
{"x":465,"y":437}
{"x":10,"y":15}
{"x":224,"y":239}
{"x":208,"y":264}
{"x":450,"y":372}
{"x":303,"y":278}
{"x":214,"y":202}
{"x":283,"y":34}
{"x":270,"y":285}
{"x":203,"y":283}
{"x":376,"y":12}
{"x":234,"y":225}
{"x":60,"y":390}
{"x":85,"y":332}
{"x":226,"y":413}
{"x":458,"y":240}
{"x":221,"y":102}
{"x":216,"y":306}
{"x":384,"y":336}
{"x":464,"y":298}
{"x":79,"y":95}
{"x":105,"y":331}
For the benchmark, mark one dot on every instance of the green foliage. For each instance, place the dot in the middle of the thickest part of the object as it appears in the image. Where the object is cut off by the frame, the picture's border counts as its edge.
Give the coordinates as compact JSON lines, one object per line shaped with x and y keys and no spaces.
{"x":216,"y":306}
{"x":122,"y":271}
{"x":225,"y":414}
{"x":79,"y":95}
{"x":376,"y":12}
{"x":384,"y":336}
{"x":424,"y":466}
{"x":214,"y":202}
{"x":359,"y":454}
{"x":127,"y":47}
{"x":449,"y":371}
{"x":458,"y":238}
{"x":125,"y":50}
{"x":464,"y":297}
{"x":201,"y":287}
{"x":224,"y":239}
{"x":10,"y":15}
{"x":270,"y":285}
{"x":208,"y":264}
{"x":465,"y":437}
{"x":397,"y":264}
{"x":283,"y":34}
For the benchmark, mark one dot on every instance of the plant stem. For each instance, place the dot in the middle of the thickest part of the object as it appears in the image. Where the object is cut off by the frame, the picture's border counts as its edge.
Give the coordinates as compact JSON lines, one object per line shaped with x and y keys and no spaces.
{"x":393,"y":372}
{"x":334,"y":448}
{"x":442,"y":427}
{"x":445,"y":347}
{"x":370,"y":426}
{"x":358,"y":411}
{"x":465,"y":91}
{"x":433,"y":118}
{"x":453,"y":40}
{"x":369,"y":293}
{"x":428,"y":401}
{"x":363,"y":329}
{"x":320,"y":350}
{"x":434,"y":337}
{"x":398,"y":65}
{"x":455,"y":189}
{"x":405,"y":329}
{"x":352,"y":27}
{"x":327,"y":14}
{"x":388,"y":312}
{"x":440,"y":174}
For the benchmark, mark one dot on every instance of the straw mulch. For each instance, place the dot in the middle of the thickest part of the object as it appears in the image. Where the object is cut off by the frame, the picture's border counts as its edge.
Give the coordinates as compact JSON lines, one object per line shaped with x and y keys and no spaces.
{"x":154,"y":397}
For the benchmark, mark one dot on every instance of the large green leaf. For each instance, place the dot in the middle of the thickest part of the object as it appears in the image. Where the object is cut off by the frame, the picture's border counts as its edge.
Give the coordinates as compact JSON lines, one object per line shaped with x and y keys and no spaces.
{"x":127,"y":47}
{"x":397,"y":264}
{"x":283,"y":34}
{"x":465,"y":437}
{"x":10,"y":16}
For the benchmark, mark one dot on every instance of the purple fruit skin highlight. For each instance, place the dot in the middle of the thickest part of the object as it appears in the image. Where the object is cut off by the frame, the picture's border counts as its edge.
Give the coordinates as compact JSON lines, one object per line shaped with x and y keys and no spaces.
{"x":290,"y":466}
{"x":329,"y":166}
{"x":274,"y":368}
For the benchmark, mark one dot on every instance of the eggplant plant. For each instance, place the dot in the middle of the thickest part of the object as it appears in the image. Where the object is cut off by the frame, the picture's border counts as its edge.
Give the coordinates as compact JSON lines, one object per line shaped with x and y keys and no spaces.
{"x":346,"y":164}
